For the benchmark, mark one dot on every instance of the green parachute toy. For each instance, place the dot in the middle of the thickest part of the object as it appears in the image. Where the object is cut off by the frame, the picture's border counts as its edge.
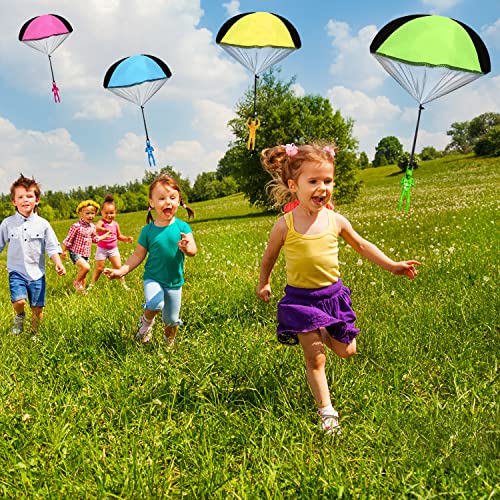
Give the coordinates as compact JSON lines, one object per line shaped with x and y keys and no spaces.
{"x":429,"y":56}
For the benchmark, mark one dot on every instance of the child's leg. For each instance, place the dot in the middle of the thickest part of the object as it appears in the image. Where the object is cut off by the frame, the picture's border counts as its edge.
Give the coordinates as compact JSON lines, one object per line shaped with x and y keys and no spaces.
{"x":116,"y":262}
{"x":83,"y":269}
{"x":99,"y":268}
{"x":171,"y":310}
{"x":18,"y":306}
{"x":36,"y":318}
{"x":339,"y":348}
{"x":315,"y":359}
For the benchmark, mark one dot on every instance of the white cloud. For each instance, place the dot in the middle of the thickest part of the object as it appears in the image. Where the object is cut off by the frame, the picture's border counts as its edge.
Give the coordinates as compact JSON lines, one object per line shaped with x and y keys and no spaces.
{"x":211,"y":120}
{"x":353,"y":64}
{"x":100,"y":108}
{"x":51,"y":157}
{"x":297,"y":90}
{"x":440,"y":5}
{"x":188,"y":157}
{"x":491,"y":34}
{"x":232,"y":7}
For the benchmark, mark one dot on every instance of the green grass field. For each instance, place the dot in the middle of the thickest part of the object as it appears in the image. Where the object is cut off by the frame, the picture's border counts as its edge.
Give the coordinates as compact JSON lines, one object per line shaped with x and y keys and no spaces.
{"x":86,"y":412}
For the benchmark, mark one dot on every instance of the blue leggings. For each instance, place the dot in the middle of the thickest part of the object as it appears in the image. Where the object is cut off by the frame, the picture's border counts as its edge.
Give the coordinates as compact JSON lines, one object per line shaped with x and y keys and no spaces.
{"x":167,"y":300}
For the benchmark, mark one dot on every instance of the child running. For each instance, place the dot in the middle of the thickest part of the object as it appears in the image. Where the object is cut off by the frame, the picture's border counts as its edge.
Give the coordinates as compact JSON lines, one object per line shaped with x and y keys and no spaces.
{"x":29,"y":236}
{"x":167,"y":240}
{"x":108,"y":247}
{"x":79,"y":242}
{"x":316,"y":309}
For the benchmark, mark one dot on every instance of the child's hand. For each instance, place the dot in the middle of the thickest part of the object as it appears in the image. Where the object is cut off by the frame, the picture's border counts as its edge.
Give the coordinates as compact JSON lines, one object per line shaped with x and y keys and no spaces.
{"x":60,"y":270}
{"x":112,"y":274}
{"x":183,"y":243}
{"x":264,"y":292}
{"x":130,"y":239}
{"x":406,"y":268}
{"x":64,"y":255}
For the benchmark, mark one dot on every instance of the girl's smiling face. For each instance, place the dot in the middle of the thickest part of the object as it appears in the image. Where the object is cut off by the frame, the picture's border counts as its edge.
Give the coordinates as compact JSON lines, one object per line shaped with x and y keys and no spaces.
{"x":108,"y":212}
{"x":165,"y":200}
{"x":314,"y":185}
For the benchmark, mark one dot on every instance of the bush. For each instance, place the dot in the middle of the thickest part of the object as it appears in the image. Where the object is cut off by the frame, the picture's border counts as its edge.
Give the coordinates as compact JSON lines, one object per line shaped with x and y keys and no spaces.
{"x":404,"y":162}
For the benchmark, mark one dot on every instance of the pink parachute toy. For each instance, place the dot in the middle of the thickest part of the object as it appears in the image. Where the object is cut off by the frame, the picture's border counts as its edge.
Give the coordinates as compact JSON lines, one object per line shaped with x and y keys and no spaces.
{"x":45,"y":33}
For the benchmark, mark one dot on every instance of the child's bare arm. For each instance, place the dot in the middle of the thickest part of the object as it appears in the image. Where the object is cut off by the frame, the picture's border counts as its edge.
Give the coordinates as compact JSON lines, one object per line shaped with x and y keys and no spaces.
{"x":133,"y":261}
{"x":276,"y":241}
{"x":372,"y":252}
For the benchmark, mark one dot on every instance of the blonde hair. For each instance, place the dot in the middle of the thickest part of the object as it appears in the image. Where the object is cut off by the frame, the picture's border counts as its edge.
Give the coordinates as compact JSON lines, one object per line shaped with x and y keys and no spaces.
{"x":87,"y":203}
{"x":166,"y":180}
{"x":285,"y":162}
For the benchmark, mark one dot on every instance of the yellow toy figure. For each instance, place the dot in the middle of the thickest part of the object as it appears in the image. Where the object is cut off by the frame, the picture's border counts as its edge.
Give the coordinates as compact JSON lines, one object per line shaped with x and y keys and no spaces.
{"x":407,"y":182}
{"x":252,"y":124}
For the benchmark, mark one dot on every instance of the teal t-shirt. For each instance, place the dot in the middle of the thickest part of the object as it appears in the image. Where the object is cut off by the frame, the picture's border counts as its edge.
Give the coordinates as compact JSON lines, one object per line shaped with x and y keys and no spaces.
{"x":165,"y":263}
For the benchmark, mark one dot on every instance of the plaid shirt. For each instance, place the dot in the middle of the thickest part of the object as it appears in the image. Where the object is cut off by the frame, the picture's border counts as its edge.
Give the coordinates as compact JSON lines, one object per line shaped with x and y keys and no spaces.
{"x":80,"y":237}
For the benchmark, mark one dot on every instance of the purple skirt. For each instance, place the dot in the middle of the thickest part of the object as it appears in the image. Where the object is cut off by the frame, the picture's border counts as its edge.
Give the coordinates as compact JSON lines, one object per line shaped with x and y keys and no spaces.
{"x":306,"y":309}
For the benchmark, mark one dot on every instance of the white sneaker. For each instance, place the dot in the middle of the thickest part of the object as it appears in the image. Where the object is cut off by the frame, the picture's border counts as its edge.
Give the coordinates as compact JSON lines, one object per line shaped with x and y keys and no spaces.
{"x":18,"y":324}
{"x":329,"y":423}
{"x":144,"y":333}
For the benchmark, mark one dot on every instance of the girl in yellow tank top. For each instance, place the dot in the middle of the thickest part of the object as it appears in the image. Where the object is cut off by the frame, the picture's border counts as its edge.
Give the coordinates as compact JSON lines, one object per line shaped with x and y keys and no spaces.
{"x":316,"y":309}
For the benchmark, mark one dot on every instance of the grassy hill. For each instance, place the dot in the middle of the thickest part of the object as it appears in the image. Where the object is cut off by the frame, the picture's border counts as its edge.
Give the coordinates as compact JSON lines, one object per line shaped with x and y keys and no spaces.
{"x":87,"y":412}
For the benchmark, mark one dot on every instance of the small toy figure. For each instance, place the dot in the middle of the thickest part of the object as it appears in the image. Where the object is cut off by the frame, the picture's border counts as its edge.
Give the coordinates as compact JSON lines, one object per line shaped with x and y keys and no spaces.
{"x":55,"y":91}
{"x":252,"y":124}
{"x":407,"y":182}
{"x":149,"y":150}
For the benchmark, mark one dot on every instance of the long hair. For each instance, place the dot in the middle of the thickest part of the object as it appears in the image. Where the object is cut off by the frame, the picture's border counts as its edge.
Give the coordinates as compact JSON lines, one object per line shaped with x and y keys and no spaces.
{"x":27,"y":184}
{"x":285,"y":162}
{"x":167,"y":181}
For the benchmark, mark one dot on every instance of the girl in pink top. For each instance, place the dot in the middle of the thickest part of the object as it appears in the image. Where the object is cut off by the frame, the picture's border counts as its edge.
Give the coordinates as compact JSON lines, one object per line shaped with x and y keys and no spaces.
{"x":108,"y":247}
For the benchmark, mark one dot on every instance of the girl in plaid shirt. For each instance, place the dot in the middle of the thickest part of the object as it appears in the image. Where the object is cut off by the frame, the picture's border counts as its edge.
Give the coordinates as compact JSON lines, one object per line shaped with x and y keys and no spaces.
{"x":79,"y":241}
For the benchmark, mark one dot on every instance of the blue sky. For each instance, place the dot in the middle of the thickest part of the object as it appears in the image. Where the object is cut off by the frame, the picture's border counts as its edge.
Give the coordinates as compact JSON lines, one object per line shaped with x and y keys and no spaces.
{"x":93,"y":137}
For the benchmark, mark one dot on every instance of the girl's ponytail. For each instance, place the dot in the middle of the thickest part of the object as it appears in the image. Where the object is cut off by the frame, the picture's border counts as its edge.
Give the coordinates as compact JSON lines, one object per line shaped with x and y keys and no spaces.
{"x":149,"y":217}
{"x":189,"y":210}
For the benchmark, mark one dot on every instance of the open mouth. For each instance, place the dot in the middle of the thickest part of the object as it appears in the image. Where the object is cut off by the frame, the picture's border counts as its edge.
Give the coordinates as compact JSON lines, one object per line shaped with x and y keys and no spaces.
{"x":318,"y":200}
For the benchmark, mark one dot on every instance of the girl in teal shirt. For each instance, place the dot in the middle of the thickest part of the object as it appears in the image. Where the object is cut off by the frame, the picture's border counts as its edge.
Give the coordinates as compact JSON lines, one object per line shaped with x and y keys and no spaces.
{"x":166,"y":241}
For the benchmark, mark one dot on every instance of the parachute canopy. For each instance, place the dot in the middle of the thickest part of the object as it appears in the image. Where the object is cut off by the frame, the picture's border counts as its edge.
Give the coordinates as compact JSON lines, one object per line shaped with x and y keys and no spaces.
{"x":45,"y":33}
{"x":430,"y":56}
{"x":137,"y":78}
{"x":258,"y":39}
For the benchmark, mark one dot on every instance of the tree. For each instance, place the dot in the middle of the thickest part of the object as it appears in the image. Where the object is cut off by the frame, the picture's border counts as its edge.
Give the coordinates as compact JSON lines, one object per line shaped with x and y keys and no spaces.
{"x":459,"y":133}
{"x":430,"y":153}
{"x":404,"y":162}
{"x":363,"y":161}
{"x":489,"y":145}
{"x":286,"y":118}
{"x":390,"y":148}
{"x":480,"y":126}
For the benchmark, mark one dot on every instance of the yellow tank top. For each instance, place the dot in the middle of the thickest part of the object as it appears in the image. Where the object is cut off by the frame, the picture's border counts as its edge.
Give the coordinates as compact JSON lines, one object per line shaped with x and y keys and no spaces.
{"x":312,"y":260}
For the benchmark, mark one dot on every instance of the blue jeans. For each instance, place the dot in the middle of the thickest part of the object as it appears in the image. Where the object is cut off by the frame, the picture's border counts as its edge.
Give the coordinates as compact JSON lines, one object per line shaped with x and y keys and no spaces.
{"x":22,"y":288}
{"x":167,"y":300}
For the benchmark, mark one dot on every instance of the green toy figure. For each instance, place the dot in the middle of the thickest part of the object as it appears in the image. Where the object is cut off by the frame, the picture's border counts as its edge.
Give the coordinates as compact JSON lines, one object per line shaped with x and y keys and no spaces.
{"x":407,"y":182}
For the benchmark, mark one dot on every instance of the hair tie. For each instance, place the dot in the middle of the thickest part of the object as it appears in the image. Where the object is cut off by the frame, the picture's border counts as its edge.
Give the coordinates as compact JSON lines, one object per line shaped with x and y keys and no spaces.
{"x":149,"y":209}
{"x":290,"y":149}
{"x":184,"y":205}
{"x":330,"y":151}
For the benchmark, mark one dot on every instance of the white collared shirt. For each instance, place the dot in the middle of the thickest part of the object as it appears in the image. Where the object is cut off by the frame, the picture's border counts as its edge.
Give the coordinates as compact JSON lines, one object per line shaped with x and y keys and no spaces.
{"x":28,"y":237}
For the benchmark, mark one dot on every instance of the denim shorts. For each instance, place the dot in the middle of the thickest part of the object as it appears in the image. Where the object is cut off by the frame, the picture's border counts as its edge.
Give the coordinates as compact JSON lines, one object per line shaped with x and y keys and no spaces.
{"x":76,"y":256}
{"x":22,"y":288}
{"x":167,"y":300}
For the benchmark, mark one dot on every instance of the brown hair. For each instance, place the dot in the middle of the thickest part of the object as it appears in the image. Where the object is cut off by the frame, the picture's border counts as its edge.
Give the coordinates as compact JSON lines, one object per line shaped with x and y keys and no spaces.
{"x":283,"y":166}
{"x":26,"y":183}
{"x":166,"y":180}
{"x":108,"y":200}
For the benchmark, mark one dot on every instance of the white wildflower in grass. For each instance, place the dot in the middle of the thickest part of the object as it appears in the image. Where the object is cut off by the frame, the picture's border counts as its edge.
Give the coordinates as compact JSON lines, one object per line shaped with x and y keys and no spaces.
{"x":486,"y":278}
{"x":373,"y":283}
{"x":360,"y":262}
{"x":391,"y":250}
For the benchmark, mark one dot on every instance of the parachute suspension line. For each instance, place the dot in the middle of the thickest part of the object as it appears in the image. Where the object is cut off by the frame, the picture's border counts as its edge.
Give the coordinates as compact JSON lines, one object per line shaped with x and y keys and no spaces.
{"x":55,"y":89}
{"x":144,"y":120}
{"x":412,"y":155}
{"x":254,"y":114}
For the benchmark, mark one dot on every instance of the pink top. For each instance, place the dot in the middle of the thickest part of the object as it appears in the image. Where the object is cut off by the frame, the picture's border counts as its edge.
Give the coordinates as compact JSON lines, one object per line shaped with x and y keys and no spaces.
{"x":112,"y":240}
